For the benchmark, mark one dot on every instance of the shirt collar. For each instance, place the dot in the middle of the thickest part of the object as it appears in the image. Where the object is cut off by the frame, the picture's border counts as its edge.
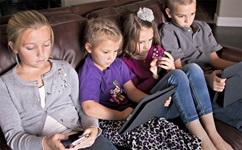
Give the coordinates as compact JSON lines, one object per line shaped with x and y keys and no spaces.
{"x":90,"y":62}
{"x":194,"y":25}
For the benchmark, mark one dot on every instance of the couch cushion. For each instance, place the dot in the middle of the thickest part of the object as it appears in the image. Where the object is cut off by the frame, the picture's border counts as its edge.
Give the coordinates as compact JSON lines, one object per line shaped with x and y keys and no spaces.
{"x":4,"y":19}
{"x":69,"y":32}
{"x":6,"y":55}
{"x":56,"y":11}
{"x":83,"y":9}
{"x":230,"y":134}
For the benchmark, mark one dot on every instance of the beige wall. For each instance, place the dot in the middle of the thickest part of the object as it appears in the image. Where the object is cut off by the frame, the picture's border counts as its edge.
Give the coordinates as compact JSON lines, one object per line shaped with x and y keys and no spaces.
{"x":75,"y":2}
{"x":229,"y":13}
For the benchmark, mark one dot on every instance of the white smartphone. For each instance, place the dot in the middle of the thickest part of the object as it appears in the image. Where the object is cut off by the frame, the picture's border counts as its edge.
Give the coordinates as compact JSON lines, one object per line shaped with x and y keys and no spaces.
{"x":83,"y":137}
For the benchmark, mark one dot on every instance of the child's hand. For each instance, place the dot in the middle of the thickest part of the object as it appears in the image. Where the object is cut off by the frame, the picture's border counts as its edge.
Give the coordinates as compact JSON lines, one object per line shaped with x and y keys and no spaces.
{"x":117,"y":98}
{"x":52,"y":142}
{"x":215,"y":82}
{"x":93,"y":131}
{"x":154,"y":68}
{"x":167,"y":62}
{"x":167,"y":102}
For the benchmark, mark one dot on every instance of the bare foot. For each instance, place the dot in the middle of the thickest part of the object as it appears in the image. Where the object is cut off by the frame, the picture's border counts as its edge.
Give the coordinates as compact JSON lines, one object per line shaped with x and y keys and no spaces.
{"x":222,"y":145}
{"x":219,"y":143}
{"x":207,"y":144}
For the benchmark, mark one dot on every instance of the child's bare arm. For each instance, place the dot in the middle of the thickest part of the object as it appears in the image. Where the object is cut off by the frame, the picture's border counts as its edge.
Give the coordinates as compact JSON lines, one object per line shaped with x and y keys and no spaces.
{"x":133,"y":93}
{"x":218,"y":62}
{"x":94,"y":109}
{"x":212,"y":79}
{"x":178,"y":64}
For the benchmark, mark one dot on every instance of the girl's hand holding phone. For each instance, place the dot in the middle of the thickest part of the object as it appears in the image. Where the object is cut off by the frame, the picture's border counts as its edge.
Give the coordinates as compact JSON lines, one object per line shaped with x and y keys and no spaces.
{"x":86,"y":139}
{"x":154,"y":68}
{"x":166,"y":61}
{"x":74,"y":139}
{"x":93,"y":132}
{"x":52,"y":142}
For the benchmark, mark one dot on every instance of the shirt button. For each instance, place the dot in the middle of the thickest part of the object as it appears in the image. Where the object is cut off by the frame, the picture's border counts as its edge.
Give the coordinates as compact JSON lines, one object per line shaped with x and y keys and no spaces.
{"x":61,"y":120}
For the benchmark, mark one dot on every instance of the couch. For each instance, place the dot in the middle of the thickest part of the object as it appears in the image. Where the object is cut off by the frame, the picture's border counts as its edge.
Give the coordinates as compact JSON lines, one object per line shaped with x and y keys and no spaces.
{"x":68,"y":24}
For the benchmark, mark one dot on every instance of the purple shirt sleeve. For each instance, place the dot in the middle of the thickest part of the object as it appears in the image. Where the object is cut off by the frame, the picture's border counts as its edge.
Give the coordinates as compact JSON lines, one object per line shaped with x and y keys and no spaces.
{"x":89,"y":82}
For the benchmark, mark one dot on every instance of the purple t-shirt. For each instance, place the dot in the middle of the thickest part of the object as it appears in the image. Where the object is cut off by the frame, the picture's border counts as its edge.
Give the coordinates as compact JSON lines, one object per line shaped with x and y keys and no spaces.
{"x":143,"y":79}
{"x":105,"y":87}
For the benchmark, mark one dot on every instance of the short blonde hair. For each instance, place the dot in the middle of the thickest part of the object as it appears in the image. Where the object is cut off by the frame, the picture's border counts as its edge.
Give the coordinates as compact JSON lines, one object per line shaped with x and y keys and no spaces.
{"x":100,"y":29}
{"x":24,"y":20}
{"x":172,"y":3}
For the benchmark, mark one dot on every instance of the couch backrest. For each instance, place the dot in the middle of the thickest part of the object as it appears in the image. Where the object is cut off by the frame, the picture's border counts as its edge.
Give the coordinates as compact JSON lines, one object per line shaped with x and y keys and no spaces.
{"x":80,"y":9}
{"x":68,"y":37}
{"x":69,"y":27}
{"x":116,"y":13}
{"x":83,"y":9}
{"x":6,"y":57}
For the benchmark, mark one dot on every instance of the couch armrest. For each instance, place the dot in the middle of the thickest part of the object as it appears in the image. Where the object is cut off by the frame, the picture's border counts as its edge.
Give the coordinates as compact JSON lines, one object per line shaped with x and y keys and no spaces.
{"x":230,"y":53}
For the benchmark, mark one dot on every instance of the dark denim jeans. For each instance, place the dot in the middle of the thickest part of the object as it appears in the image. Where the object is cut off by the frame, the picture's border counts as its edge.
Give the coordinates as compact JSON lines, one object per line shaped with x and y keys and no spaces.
{"x":102,"y":143}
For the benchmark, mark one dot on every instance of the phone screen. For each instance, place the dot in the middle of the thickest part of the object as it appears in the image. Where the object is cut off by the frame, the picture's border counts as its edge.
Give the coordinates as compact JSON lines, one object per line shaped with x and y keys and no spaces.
{"x":77,"y":141}
{"x":74,"y":139}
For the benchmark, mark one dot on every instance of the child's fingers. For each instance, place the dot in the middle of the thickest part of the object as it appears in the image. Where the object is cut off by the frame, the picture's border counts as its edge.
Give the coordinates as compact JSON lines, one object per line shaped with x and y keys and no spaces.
{"x":167,"y":102}
{"x":153,"y":62}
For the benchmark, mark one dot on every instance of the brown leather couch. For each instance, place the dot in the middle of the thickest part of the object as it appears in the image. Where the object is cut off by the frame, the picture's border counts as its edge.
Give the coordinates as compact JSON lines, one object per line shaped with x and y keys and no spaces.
{"x":68,"y":24}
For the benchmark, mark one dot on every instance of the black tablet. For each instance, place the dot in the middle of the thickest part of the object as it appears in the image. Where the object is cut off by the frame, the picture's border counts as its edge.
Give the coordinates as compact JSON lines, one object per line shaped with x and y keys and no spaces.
{"x":146,"y":109}
{"x":233,"y":86}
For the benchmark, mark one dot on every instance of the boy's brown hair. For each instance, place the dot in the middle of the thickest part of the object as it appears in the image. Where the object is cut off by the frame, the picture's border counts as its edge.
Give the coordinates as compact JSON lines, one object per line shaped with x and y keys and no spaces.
{"x":171,"y":3}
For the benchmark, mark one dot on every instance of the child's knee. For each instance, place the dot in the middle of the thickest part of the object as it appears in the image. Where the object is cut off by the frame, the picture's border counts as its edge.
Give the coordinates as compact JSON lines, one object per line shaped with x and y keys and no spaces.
{"x":179,"y":75}
{"x":193,"y":68}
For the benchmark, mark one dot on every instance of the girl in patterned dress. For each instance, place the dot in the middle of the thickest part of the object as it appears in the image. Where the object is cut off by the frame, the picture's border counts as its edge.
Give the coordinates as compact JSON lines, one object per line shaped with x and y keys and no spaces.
{"x":107,"y":93}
